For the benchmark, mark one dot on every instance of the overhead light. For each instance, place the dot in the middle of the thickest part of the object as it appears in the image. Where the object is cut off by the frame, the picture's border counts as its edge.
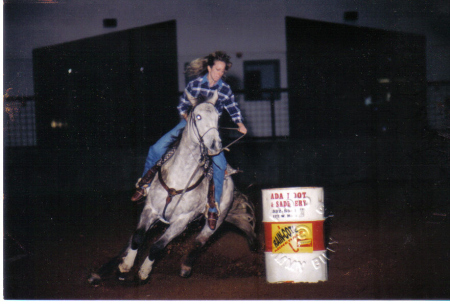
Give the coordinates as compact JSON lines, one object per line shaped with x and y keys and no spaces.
{"x":384,"y":80}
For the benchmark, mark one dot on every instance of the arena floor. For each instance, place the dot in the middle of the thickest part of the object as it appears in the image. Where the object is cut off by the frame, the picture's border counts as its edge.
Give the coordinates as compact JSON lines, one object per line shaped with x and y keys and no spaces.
{"x":384,"y":246}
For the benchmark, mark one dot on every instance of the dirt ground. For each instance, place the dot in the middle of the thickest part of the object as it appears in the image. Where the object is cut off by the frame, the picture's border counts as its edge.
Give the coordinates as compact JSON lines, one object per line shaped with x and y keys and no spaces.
{"x":382,"y":247}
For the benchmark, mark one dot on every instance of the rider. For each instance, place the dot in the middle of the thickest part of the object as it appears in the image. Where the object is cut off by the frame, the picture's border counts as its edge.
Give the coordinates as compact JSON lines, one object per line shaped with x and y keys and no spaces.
{"x":209,"y":71}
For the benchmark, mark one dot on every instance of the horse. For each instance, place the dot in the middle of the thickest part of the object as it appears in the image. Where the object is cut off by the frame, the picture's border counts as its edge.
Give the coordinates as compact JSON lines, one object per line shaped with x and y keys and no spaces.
{"x":189,"y":171}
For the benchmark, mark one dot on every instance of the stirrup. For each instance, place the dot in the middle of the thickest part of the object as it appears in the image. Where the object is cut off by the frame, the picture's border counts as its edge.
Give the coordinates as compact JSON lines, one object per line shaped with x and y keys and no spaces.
{"x":138,"y":185}
{"x":207,"y":209}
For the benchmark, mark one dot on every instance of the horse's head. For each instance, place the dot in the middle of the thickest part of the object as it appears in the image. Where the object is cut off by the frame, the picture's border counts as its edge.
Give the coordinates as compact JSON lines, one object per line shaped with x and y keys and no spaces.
{"x":203,"y":122}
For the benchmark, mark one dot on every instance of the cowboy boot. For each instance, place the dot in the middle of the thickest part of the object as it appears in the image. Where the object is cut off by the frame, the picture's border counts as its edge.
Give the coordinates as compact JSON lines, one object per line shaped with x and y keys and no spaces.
{"x":143,"y":183}
{"x":212,"y":219}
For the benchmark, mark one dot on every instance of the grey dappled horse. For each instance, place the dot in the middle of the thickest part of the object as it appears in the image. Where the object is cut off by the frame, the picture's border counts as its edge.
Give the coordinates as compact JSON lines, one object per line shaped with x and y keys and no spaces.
{"x":200,"y":139}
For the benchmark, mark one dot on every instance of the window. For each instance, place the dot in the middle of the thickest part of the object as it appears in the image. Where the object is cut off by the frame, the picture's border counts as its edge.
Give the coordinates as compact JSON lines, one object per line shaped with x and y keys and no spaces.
{"x":260,"y":75}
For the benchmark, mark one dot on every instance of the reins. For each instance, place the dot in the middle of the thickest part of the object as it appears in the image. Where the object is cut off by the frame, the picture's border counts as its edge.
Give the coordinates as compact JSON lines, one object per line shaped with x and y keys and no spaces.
{"x":172,"y":192}
{"x":234,"y":141}
{"x":200,"y":137}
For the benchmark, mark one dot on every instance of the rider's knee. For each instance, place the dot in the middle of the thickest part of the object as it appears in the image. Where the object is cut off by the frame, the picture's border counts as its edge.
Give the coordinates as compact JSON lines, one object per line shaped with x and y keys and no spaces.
{"x":219,"y":163}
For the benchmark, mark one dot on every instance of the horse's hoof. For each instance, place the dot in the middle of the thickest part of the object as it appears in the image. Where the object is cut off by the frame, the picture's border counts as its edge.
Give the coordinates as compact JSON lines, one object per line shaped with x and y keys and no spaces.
{"x":185,"y":271}
{"x":143,"y":282}
{"x":95,"y":280}
{"x":123,"y":276}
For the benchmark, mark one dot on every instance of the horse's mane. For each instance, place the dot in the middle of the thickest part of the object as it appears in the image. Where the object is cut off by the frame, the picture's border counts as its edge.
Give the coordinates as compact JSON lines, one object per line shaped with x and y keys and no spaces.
{"x":176,"y":139}
{"x":200,"y":99}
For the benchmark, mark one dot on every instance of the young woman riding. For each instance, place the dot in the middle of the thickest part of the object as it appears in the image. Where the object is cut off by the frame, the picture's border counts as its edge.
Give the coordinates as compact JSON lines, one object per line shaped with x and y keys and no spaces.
{"x":209,"y":72}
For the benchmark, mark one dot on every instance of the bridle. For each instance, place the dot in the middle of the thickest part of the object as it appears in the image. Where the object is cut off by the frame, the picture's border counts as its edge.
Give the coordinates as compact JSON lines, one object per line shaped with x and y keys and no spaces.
{"x":203,"y":148}
{"x":202,"y":163}
{"x":193,"y":121}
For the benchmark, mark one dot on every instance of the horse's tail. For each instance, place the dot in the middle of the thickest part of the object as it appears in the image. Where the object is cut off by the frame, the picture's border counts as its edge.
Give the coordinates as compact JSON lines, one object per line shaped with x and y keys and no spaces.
{"x":242,"y":215}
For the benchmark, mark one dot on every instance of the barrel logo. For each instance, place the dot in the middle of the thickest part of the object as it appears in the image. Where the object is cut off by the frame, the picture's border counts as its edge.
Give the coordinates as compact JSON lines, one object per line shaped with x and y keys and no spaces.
{"x":292,"y":238}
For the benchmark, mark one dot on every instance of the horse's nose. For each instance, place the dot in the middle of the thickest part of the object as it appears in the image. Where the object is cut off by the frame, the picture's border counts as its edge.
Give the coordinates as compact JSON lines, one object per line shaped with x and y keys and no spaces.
{"x":217,"y":144}
{"x":215,"y":148}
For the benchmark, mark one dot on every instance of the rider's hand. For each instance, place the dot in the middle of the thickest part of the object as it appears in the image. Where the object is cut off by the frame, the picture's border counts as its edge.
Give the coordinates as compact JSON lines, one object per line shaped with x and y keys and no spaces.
{"x":242,"y":128}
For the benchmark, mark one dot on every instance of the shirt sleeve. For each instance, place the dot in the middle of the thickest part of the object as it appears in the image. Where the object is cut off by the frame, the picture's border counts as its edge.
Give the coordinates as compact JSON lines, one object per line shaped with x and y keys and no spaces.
{"x":184,"y":105}
{"x":232,"y":108}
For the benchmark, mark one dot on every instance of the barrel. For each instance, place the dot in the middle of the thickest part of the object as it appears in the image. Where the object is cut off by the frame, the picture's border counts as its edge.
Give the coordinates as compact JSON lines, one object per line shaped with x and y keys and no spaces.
{"x":293,"y":231}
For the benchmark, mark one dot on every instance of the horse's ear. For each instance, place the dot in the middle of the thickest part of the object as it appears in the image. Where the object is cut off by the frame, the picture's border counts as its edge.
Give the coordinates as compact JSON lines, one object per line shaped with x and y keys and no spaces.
{"x":191,"y":98}
{"x":214,"y":98}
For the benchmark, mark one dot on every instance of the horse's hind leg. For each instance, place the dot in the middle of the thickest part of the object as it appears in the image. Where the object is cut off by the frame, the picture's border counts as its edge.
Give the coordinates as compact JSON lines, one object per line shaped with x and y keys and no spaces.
{"x":147,"y":220}
{"x":242,"y":215}
{"x":173,"y":231}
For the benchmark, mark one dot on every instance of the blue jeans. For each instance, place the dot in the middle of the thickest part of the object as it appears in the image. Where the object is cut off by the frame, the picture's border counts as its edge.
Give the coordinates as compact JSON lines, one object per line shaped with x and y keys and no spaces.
{"x":160,"y":147}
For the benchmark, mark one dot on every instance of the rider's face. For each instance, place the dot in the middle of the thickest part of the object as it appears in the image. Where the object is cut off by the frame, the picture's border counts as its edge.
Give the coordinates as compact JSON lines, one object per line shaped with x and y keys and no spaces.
{"x":216,"y":72}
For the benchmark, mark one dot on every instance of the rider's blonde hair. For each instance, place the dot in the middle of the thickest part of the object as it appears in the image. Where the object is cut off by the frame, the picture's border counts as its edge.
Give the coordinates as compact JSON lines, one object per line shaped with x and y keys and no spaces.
{"x":199,"y":66}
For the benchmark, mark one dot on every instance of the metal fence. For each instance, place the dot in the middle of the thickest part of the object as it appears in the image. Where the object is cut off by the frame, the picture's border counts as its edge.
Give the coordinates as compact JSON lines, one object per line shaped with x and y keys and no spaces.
{"x":19,"y":122}
{"x":268,"y":117}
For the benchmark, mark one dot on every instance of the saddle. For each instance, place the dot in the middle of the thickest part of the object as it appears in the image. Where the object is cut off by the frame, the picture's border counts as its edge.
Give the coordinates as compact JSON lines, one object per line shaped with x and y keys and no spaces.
{"x":145,"y":181}
{"x":171,"y":192}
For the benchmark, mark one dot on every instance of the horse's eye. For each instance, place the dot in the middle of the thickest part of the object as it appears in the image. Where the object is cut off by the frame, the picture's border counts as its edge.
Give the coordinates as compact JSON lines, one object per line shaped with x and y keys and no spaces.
{"x":199,"y":117}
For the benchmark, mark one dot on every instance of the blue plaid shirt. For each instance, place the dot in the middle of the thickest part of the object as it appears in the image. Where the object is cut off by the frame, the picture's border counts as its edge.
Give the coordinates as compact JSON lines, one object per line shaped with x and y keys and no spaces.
{"x":200,"y":87}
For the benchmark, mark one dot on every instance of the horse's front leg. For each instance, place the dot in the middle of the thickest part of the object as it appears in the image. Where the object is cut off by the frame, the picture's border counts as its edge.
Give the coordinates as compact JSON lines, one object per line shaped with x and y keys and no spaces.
{"x":206,"y":233}
{"x":194,"y":251}
{"x":199,"y":242}
{"x":175,"y":229}
{"x":146,"y":221}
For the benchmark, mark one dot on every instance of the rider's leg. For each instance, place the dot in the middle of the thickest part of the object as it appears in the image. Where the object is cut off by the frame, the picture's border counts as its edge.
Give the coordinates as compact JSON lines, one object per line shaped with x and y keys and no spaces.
{"x":154,"y":154}
{"x":160,"y":147}
{"x":219,"y":166}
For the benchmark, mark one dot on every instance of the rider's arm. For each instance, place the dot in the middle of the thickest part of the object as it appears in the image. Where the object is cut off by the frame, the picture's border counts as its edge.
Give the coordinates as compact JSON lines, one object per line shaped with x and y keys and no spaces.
{"x":242,"y":128}
{"x":184,"y":104}
{"x":232,"y":108}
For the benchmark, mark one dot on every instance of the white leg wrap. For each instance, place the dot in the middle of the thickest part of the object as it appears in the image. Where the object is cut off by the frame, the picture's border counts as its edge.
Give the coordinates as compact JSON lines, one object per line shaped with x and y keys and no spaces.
{"x":128,"y":261}
{"x":145,"y":269}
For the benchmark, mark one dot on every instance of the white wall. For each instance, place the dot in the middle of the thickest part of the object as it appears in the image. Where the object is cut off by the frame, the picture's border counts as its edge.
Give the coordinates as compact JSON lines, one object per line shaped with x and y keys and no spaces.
{"x":253,"y":27}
